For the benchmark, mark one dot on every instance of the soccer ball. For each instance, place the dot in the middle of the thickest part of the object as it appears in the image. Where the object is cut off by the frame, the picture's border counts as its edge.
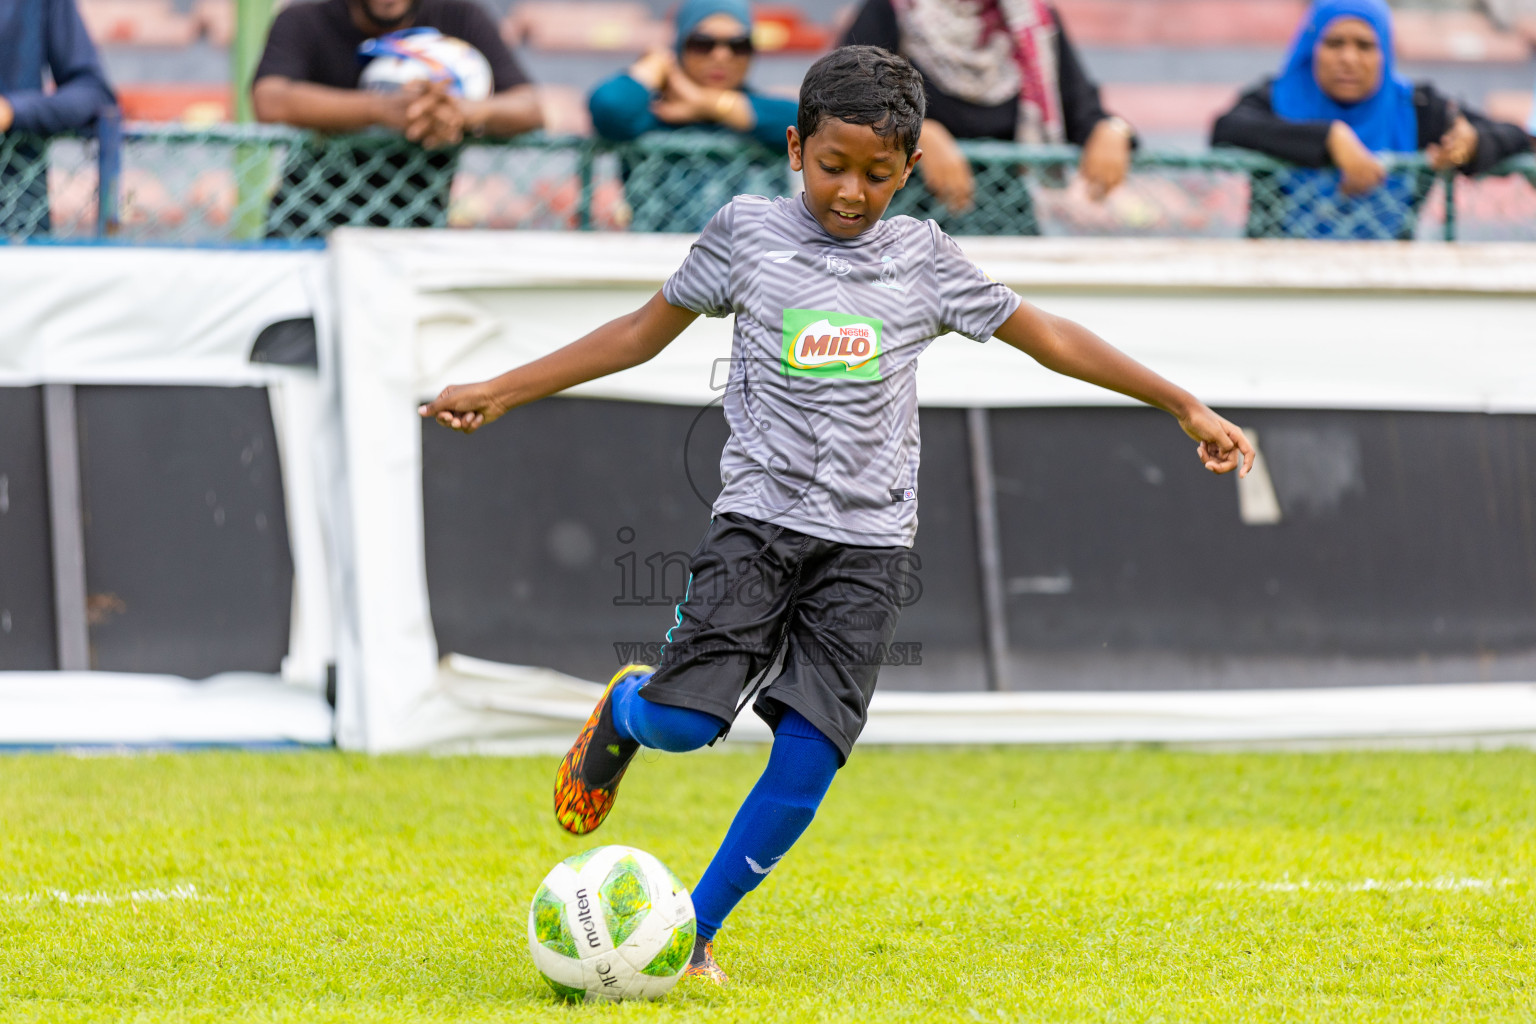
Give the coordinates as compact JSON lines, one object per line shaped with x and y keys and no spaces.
{"x":611,"y":923}
{"x":416,"y":53}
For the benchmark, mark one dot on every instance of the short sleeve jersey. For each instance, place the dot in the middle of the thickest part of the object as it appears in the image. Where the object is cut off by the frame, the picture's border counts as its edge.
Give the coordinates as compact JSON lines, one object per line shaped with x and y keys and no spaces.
{"x":821,"y":397}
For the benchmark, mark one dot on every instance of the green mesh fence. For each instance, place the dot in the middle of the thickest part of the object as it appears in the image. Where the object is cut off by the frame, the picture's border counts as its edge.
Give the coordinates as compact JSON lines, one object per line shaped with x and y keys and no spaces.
{"x":247,"y":183}
{"x":47,"y":188}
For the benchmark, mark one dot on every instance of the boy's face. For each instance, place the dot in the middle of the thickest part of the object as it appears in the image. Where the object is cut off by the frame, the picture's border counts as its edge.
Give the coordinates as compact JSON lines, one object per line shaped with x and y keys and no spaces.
{"x":850,"y":174}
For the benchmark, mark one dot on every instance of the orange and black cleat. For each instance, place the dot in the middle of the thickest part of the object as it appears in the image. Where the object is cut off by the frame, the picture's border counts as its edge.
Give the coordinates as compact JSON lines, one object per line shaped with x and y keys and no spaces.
{"x":703,"y":964}
{"x":588,"y":779}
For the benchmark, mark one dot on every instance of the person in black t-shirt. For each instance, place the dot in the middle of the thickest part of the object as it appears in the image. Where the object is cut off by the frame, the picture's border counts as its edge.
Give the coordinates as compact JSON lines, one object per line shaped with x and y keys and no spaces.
{"x":994,"y":69}
{"x":308,"y":77}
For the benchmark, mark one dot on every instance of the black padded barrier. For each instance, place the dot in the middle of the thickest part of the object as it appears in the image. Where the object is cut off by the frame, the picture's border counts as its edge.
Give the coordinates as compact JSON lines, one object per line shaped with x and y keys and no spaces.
{"x":1406,"y":551}
{"x":1407,"y":540}
{"x":187,"y":560}
{"x":27,"y":640}
{"x":560,"y":536}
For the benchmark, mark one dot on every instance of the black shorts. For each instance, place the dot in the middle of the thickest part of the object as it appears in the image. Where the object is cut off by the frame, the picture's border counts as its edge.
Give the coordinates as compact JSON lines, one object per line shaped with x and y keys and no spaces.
{"x":757,"y":590}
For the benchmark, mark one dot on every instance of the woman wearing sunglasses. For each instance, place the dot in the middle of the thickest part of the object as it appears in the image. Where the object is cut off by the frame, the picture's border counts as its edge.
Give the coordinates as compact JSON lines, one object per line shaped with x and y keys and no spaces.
{"x":699,"y":85}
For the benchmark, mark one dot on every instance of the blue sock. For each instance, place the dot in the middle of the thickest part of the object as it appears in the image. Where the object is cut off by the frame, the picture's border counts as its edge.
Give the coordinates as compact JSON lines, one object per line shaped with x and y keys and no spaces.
{"x":780,"y":806}
{"x":660,"y":726}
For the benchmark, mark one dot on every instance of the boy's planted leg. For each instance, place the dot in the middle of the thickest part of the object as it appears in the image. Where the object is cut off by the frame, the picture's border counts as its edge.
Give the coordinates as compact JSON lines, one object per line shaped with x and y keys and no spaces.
{"x":780,"y":806}
{"x":587,"y":781}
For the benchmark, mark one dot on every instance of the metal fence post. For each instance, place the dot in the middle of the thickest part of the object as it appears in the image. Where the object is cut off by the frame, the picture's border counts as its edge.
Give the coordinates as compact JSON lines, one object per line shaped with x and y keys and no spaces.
{"x":988,"y":548}
{"x":1449,"y":180}
{"x":61,"y":437}
{"x":585,"y":162}
{"x":109,"y":169}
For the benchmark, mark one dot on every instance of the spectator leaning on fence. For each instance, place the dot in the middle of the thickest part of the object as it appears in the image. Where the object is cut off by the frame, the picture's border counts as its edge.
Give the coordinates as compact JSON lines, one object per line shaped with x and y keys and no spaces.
{"x":702,"y":86}
{"x":37,"y":35}
{"x":1338,"y":102}
{"x":308,"y":76}
{"x":993,"y":69}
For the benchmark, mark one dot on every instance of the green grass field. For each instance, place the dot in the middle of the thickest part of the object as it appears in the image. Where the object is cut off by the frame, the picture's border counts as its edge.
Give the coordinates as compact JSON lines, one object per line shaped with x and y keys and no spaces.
{"x":988,"y":885}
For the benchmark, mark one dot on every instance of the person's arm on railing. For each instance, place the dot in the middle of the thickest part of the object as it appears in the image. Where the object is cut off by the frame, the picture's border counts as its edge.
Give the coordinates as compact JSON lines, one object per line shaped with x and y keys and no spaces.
{"x":81,"y":88}
{"x":621,"y":106}
{"x":944,"y":169}
{"x":1497,"y":141}
{"x":299,"y":82}
{"x":1253,"y":124}
{"x":513,"y":106}
{"x":655,"y":92}
{"x":1455,"y":136}
{"x":1106,"y":140}
{"x":328,"y":109}
{"x":511,"y":112}
{"x":420,"y":111}
{"x":771,"y":116}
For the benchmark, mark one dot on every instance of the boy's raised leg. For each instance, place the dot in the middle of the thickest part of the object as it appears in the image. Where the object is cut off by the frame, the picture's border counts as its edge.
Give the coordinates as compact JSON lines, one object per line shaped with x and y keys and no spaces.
{"x":587,"y":781}
{"x":623,"y":721}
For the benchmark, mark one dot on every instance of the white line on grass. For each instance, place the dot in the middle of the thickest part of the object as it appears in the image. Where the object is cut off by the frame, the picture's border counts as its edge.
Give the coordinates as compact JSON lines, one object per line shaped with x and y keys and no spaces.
{"x":181,"y":892}
{"x":1443,"y":884}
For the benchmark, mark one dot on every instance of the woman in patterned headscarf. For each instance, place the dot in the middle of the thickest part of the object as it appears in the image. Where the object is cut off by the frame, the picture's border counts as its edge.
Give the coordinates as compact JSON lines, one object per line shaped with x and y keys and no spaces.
{"x":1337,"y":102}
{"x":993,"y":69}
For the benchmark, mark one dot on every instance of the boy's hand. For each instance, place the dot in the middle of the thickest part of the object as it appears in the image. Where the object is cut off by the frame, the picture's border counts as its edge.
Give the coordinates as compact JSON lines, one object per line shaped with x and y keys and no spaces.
{"x":464,"y":407}
{"x":1223,"y":447}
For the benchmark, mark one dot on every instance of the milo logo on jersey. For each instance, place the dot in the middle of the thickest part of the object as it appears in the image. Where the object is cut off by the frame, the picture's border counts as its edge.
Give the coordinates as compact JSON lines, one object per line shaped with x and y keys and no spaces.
{"x":821,"y":343}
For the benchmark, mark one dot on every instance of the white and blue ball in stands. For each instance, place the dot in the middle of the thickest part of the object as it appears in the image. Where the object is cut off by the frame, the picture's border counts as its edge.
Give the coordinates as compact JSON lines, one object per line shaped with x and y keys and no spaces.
{"x":414,"y":54}
{"x":611,"y":923}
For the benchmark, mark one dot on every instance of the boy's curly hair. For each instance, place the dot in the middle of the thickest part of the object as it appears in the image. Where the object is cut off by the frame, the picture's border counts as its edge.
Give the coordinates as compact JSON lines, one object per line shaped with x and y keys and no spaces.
{"x":864,"y":85}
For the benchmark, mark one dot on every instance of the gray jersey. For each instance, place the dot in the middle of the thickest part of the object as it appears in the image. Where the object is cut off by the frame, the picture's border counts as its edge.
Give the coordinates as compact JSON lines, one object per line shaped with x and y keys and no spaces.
{"x":821,"y":396}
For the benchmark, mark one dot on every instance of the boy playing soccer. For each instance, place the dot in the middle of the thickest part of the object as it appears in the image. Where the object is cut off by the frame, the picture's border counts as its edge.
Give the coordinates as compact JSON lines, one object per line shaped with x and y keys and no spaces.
{"x":804,"y":555}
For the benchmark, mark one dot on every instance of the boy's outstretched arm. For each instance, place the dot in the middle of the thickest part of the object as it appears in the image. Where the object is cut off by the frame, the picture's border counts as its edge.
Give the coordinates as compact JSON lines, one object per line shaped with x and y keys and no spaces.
{"x":617,"y":345}
{"x":1070,"y":348}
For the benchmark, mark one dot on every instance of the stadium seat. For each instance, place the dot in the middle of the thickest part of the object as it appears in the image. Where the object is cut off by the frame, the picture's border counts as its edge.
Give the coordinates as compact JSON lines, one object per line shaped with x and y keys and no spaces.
{"x":785,"y":29}
{"x":1455,"y":36}
{"x":625,"y":27}
{"x":1225,"y":23}
{"x":1188,"y":108}
{"x":137,"y":23}
{"x":216,"y":19}
{"x":188,"y":104}
{"x":1191,"y":23}
{"x":1509,"y":105}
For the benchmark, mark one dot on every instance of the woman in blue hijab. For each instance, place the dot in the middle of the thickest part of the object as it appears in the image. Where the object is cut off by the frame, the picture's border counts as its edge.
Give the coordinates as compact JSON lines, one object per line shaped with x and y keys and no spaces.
{"x":1337,"y":102}
{"x":700,"y":84}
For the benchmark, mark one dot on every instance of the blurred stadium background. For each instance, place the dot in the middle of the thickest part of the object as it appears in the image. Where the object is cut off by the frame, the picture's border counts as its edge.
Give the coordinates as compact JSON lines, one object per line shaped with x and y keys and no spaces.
{"x":207,"y":454}
{"x":1168,"y":66}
